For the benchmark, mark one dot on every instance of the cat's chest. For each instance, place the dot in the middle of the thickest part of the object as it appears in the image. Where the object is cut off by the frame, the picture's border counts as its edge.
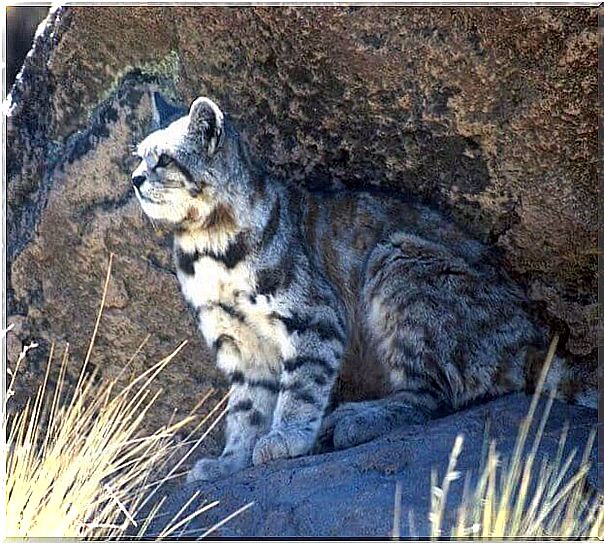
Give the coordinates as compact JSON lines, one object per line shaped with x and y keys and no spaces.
{"x":226,"y":306}
{"x":206,"y":281}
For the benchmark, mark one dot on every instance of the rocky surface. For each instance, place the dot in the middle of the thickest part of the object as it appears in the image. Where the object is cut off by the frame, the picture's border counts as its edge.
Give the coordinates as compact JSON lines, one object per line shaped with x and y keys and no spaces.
{"x":351,"y":493}
{"x":487,"y":113}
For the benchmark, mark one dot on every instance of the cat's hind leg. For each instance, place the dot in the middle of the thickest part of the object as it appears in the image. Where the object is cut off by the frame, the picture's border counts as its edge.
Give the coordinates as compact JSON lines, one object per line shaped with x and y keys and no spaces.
{"x":354,"y":423}
{"x":446,"y":328}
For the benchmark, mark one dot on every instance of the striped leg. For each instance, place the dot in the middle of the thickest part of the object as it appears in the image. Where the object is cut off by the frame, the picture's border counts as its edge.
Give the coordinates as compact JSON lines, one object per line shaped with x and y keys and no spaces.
{"x":305,"y":388}
{"x":251,"y":403}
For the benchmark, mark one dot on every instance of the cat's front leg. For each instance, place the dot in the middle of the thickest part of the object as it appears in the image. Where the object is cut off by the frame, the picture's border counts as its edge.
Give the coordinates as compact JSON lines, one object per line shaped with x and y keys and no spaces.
{"x":250,"y":409}
{"x":307,"y":378}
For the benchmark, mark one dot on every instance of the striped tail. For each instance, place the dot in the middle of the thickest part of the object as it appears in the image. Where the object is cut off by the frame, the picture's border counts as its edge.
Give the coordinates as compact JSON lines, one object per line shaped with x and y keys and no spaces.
{"x":572,"y":384}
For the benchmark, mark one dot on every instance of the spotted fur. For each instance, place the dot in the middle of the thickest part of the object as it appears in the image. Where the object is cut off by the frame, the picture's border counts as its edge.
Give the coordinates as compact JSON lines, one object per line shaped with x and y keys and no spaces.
{"x":292,"y":289}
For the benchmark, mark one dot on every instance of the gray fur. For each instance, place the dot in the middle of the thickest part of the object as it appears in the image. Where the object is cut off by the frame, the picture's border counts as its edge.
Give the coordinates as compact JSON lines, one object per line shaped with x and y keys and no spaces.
{"x":290,"y":286}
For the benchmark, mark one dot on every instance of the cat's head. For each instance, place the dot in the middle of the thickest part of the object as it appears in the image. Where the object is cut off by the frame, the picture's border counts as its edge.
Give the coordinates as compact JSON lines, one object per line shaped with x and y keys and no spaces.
{"x":183,"y":171}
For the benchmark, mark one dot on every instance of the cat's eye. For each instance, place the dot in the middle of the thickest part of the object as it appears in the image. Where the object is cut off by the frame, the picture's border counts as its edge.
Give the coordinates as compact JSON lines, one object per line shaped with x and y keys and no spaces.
{"x":164,"y":161}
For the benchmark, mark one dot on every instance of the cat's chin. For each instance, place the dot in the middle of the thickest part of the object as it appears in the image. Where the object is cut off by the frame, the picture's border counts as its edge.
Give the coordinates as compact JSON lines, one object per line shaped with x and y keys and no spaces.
{"x":160,"y":212}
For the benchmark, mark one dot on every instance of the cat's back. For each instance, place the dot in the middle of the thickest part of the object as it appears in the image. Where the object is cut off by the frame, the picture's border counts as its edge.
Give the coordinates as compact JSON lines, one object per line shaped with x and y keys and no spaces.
{"x":343,"y":227}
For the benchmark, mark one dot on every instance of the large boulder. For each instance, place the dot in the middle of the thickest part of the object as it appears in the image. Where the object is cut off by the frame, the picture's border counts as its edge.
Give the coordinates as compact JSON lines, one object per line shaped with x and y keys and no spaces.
{"x":487,"y":113}
{"x":351,"y":493}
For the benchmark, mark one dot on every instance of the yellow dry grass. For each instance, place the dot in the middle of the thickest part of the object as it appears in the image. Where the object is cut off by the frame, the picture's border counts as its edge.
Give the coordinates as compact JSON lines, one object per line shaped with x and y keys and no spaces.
{"x":521,"y":497}
{"x":82,"y":473}
{"x":79,"y":466}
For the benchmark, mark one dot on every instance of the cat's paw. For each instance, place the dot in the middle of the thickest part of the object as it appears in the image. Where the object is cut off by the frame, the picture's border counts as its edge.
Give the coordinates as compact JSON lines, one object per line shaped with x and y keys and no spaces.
{"x":355,"y":428}
{"x":211,"y":469}
{"x":271,"y":447}
{"x":284,"y":442}
{"x":359,"y":423}
{"x":341,"y":427}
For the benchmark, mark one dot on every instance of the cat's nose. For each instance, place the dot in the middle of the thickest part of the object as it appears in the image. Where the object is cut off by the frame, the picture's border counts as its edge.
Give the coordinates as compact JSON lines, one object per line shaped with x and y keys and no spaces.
{"x":138,"y":180}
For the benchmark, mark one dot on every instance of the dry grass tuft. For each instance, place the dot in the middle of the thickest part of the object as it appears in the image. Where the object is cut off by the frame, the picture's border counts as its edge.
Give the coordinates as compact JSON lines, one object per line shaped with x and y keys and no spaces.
{"x":83,"y":473}
{"x":517,"y":498}
{"x":78,"y":466}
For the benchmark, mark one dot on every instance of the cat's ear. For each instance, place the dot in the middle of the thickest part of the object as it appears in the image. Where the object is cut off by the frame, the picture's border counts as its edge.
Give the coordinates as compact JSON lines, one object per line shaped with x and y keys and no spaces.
{"x":206,"y":120}
{"x":163,"y":112}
